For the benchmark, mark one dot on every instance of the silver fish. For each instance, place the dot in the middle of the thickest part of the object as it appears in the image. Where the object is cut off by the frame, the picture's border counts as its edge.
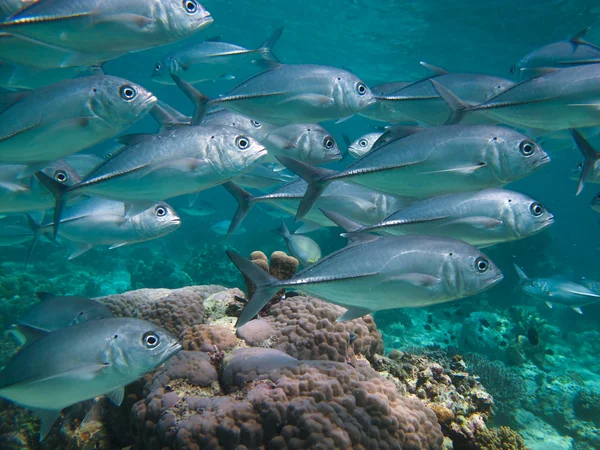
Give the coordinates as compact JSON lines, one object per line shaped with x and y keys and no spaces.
{"x":18,"y":77}
{"x":351,"y":200}
{"x":55,"y":312}
{"x":381,"y":272}
{"x":570,"y":52}
{"x":114,"y":26}
{"x":363,"y":144}
{"x":565,"y":98}
{"x":53,"y":373}
{"x":302,"y":93}
{"x":210,"y":60}
{"x":303,"y":248}
{"x":554,"y":291}
{"x":480,"y":218}
{"x":310,"y":143}
{"x":98,"y":221}
{"x":64,"y":118}
{"x":433,"y":161}
{"x":224,"y":117}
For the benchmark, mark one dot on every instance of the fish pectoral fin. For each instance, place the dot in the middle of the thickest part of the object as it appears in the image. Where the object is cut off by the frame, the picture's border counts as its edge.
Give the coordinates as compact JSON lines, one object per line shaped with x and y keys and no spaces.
{"x":132,"y":21}
{"x":420,"y":280}
{"x":550,"y":305}
{"x":47,"y":419}
{"x":31,"y":334}
{"x":81,"y":249}
{"x":577,"y":309}
{"x":480,"y":222}
{"x":354,"y":312}
{"x":193,"y":198}
{"x":307,"y":227}
{"x":238,"y":98}
{"x":182,"y":165}
{"x":116,"y":396}
{"x":465,"y":170}
{"x":13,"y":187}
{"x":311,"y":99}
{"x":120,"y":244}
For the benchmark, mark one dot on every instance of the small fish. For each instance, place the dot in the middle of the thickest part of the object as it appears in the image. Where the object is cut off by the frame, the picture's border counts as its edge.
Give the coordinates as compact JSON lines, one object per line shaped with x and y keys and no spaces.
{"x":432,"y":161}
{"x":301,"y":93}
{"x":61,"y":119}
{"x":310,"y":143}
{"x":99,"y":221}
{"x":557,"y":292}
{"x":532,"y":336}
{"x":115,"y":27}
{"x":381,"y":272}
{"x":199,"y":209}
{"x":78,"y":363}
{"x":221,"y":228}
{"x":590,"y":171}
{"x":55,"y":312}
{"x":481,"y":218}
{"x":570,"y":52}
{"x":363,"y":144}
{"x":210,"y":60}
{"x":303,"y":248}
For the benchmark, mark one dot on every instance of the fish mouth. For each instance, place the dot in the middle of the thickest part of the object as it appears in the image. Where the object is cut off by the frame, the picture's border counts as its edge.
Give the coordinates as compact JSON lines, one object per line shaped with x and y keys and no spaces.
{"x":176,"y":221}
{"x":544,"y":160}
{"x":171,"y":350}
{"x":149,"y":102}
{"x":495,"y":280}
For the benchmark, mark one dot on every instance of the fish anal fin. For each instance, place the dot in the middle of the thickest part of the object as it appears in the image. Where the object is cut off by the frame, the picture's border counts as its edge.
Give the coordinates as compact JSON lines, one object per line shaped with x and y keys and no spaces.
{"x":354,"y":312}
{"x":81,"y":249}
{"x":577,"y":309}
{"x":47,"y":419}
{"x":420,"y":280}
{"x":116,"y":396}
{"x":465,"y":170}
{"x":311,"y":99}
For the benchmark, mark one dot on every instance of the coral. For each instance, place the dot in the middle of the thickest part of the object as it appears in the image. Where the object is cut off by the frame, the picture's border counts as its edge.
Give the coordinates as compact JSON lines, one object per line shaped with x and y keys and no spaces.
{"x":174,"y":310}
{"x":277,"y":402}
{"x":587,"y":406}
{"x":502,"y":438}
{"x":223,"y":304}
{"x":281,"y":266}
{"x":206,"y":338}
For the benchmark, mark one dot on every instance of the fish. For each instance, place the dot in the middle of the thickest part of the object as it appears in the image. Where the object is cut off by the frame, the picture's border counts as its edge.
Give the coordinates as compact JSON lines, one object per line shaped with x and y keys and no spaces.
{"x":210,"y":60}
{"x":595,"y":203}
{"x":54,"y":312}
{"x":156,"y":167}
{"x":261,"y":176}
{"x":16,"y":77}
{"x":590,"y":171}
{"x":99,"y":221}
{"x":298,"y":93}
{"x":52,"y":373}
{"x":61,"y":119}
{"x":113,"y":26}
{"x":554,"y":291}
{"x":224,"y":117}
{"x":363,"y":144}
{"x":351,"y":200}
{"x":199,"y":209}
{"x":378,"y":273}
{"x":432,"y":161}
{"x":423,"y":103}
{"x":303,"y":248}
{"x":570,"y":52}
{"x":221,"y":228}
{"x":481,"y":218}
{"x":10,"y":7}
{"x":310,"y":143}
{"x":560,"y":99}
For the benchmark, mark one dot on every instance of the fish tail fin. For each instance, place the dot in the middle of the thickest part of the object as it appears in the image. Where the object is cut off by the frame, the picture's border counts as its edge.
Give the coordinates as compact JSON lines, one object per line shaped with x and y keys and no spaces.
{"x":266,"y":286}
{"x":59,"y":191}
{"x":459,"y":107}
{"x":200,"y":101}
{"x":590,"y":155}
{"x":283,"y":230}
{"x":245,"y":204}
{"x":522,"y":276}
{"x":317,"y":178}
{"x":348,"y":225}
{"x":266,"y":49}
{"x":35,"y":227}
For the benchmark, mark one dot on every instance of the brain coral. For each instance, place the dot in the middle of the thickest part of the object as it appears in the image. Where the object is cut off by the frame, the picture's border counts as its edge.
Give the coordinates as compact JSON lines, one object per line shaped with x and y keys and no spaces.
{"x":275,"y":401}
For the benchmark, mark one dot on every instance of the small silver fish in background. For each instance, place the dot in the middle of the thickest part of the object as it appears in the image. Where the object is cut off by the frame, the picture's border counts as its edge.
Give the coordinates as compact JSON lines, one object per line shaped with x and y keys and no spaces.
{"x":54,"y":312}
{"x":303,"y":248}
{"x":482,"y":218}
{"x":52,"y":373}
{"x":381,"y":272}
{"x":432,"y":161}
{"x":301,"y":93}
{"x":64,"y":118}
{"x":590,"y":171}
{"x":555,"y":291}
{"x":199,"y":209}
{"x":221,"y":228}
{"x":363,"y":144}
{"x":571,"y":52}
{"x":310,"y":143}
{"x":595,"y":203}
{"x":115,"y":27}
{"x":211,"y":60}
{"x":99,"y":221}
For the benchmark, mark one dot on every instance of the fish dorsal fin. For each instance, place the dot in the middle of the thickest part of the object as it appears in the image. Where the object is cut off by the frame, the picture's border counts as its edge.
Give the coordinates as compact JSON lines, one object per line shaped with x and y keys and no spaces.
{"x":521,"y":273}
{"x":359,"y":238}
{"x":578,"y":38}
{"x":395,"y":133}
{"x":133,"y":139}
{"x":43,"y":295}
{"x":437,"y":71}
{"x":116,"y":396}
{"x":47,"y":419}
{"x":199,"y":100}
{"x":53,"y":11}
{"x":589,"y":153}
{"x":341,"y":221}
{"x":354,"y":312}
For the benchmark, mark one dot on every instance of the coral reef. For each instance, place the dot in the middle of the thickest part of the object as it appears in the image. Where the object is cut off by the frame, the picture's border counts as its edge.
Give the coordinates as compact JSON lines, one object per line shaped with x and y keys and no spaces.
{"x":502,"y":438}
{"x":281,"y":266}
{"x":207,"y":338}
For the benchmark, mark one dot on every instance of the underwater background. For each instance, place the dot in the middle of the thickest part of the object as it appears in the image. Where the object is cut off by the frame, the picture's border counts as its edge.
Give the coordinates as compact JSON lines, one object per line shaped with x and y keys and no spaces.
{"x":548,"y":392}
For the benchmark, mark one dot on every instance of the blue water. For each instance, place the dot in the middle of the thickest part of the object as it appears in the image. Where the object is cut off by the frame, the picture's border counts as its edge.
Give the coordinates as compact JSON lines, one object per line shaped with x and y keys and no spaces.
{"x":380,"y":42}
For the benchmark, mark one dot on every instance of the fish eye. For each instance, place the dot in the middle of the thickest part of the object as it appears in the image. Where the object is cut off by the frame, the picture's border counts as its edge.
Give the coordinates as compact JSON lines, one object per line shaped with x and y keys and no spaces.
{"x":158,"y":67}
{"x":256,"y":124}
{"x":363,"y":143}
{"x":329,"y":143}
{"x":537,"y":209}
{"x":361,"y":88}
{"x":161,"y":211}
{"x":127,"y":93}
{"x":61,"y":176}
{"x":242,"y":142}
{"x":190,"y":6}
{"x":527,"y":148}
{"x":482,"y":265}
{"x":150,"y":339}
